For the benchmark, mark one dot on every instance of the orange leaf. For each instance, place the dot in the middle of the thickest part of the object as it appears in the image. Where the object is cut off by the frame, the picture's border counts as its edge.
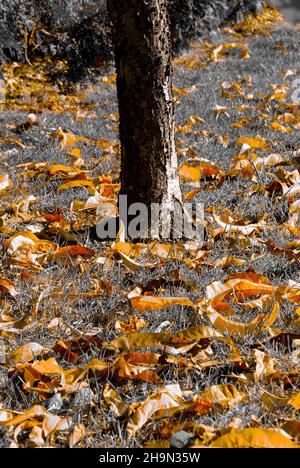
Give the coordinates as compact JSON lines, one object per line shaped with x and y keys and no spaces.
{"x":5,"y":182}
{"x":6,"y":286}
{"x":193,"y":170}
{"x":253,"y":438}
{"x":151,"y":303}
{"x":135,"y":324}
{"x":73,"y":251}
{"x":253,"y":143}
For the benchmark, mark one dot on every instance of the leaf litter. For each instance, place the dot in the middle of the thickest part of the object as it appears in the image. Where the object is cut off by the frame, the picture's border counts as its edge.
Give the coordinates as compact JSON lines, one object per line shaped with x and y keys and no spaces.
{"x":141,"y":342}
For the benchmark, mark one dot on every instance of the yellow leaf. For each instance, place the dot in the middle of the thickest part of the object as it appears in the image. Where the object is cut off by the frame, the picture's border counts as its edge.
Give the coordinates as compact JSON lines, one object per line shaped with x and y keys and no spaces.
{"x":141,"y":340}
{"x":273,"y":402}
{"x":7,"y":418}
{"x":295,"y":401}
{"x":88,"y":184}
{"x":27,"y":240}
{"x":253,"y":438}
{"x":76,"y":152}
{"x":278,"y":127}
{"x":229,"y":261}
{"x":62,"y":169}
{"x":225,"y":395}
{"x":135,"y":324}
{"x":7,"y":287}
{"x":266,"y":366}
{"x":68,"y":138}
{"x":228,"y":226}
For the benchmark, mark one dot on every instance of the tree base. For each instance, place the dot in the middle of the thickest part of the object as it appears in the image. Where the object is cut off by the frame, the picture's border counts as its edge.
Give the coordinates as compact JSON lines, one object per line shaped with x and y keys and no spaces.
{"x":182,"y":223}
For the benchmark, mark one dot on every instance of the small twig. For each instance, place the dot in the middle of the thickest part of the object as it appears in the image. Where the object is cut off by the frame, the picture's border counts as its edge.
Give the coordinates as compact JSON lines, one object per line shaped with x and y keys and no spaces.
{"x":26,"y":50}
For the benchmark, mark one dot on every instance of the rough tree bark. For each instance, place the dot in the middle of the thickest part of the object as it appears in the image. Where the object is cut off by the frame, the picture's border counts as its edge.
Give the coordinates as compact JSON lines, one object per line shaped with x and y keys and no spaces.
{"x":142,"y":42}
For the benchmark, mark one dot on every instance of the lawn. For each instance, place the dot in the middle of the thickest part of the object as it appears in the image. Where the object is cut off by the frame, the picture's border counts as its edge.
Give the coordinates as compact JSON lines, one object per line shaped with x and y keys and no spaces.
{"x":118,"y":344}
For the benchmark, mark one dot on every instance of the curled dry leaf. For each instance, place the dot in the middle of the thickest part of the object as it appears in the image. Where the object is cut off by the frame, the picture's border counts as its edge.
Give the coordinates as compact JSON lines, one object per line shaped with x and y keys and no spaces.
{"x":266,"y":366}
{"x":229,"y":226}
{"x":229,"y":261}
{"x":158,"y":403}
{"x":62,"y":170}
{"x":7,"y":287}
{"x":184,"y":92}
{"x":123,"y":369}
{"x":135,"y":324}
{"x":71,"y":252}
{"x":25,"y":241}
{"x":12,"y":418}
{"x":87,"y":184}
{"x":129,"y":253}
{"x":17,"y":326}
{"x":226,"y":325}
{"x":294,"y":401}
{"x":153,"y":303}
{"x":218,"y":52}
{"x":273,"y":402}
{"x":136,"y":341}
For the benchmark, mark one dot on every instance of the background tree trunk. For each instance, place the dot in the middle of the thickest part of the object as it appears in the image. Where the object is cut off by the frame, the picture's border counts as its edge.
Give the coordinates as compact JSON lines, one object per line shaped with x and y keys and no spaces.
{"x":142,"y":41}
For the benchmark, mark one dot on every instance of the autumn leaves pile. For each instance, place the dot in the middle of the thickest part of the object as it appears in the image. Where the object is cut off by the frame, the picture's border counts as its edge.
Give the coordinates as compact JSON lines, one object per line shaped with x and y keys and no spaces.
{"x":142,"y":356}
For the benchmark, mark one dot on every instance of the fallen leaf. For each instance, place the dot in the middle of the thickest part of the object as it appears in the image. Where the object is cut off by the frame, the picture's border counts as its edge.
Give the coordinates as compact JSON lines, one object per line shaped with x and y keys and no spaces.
{"x":253,"y":438}
{"x":153,"y":303}
{"x":160,"y":402}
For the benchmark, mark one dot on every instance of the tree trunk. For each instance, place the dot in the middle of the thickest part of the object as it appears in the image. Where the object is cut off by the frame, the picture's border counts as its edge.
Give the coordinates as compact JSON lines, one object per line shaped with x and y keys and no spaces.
{"x":142,"y":42}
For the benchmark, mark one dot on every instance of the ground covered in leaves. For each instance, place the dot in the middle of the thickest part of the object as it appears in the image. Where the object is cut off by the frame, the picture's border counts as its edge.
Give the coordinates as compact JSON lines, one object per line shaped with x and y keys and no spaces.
{"x":114,"y":344}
